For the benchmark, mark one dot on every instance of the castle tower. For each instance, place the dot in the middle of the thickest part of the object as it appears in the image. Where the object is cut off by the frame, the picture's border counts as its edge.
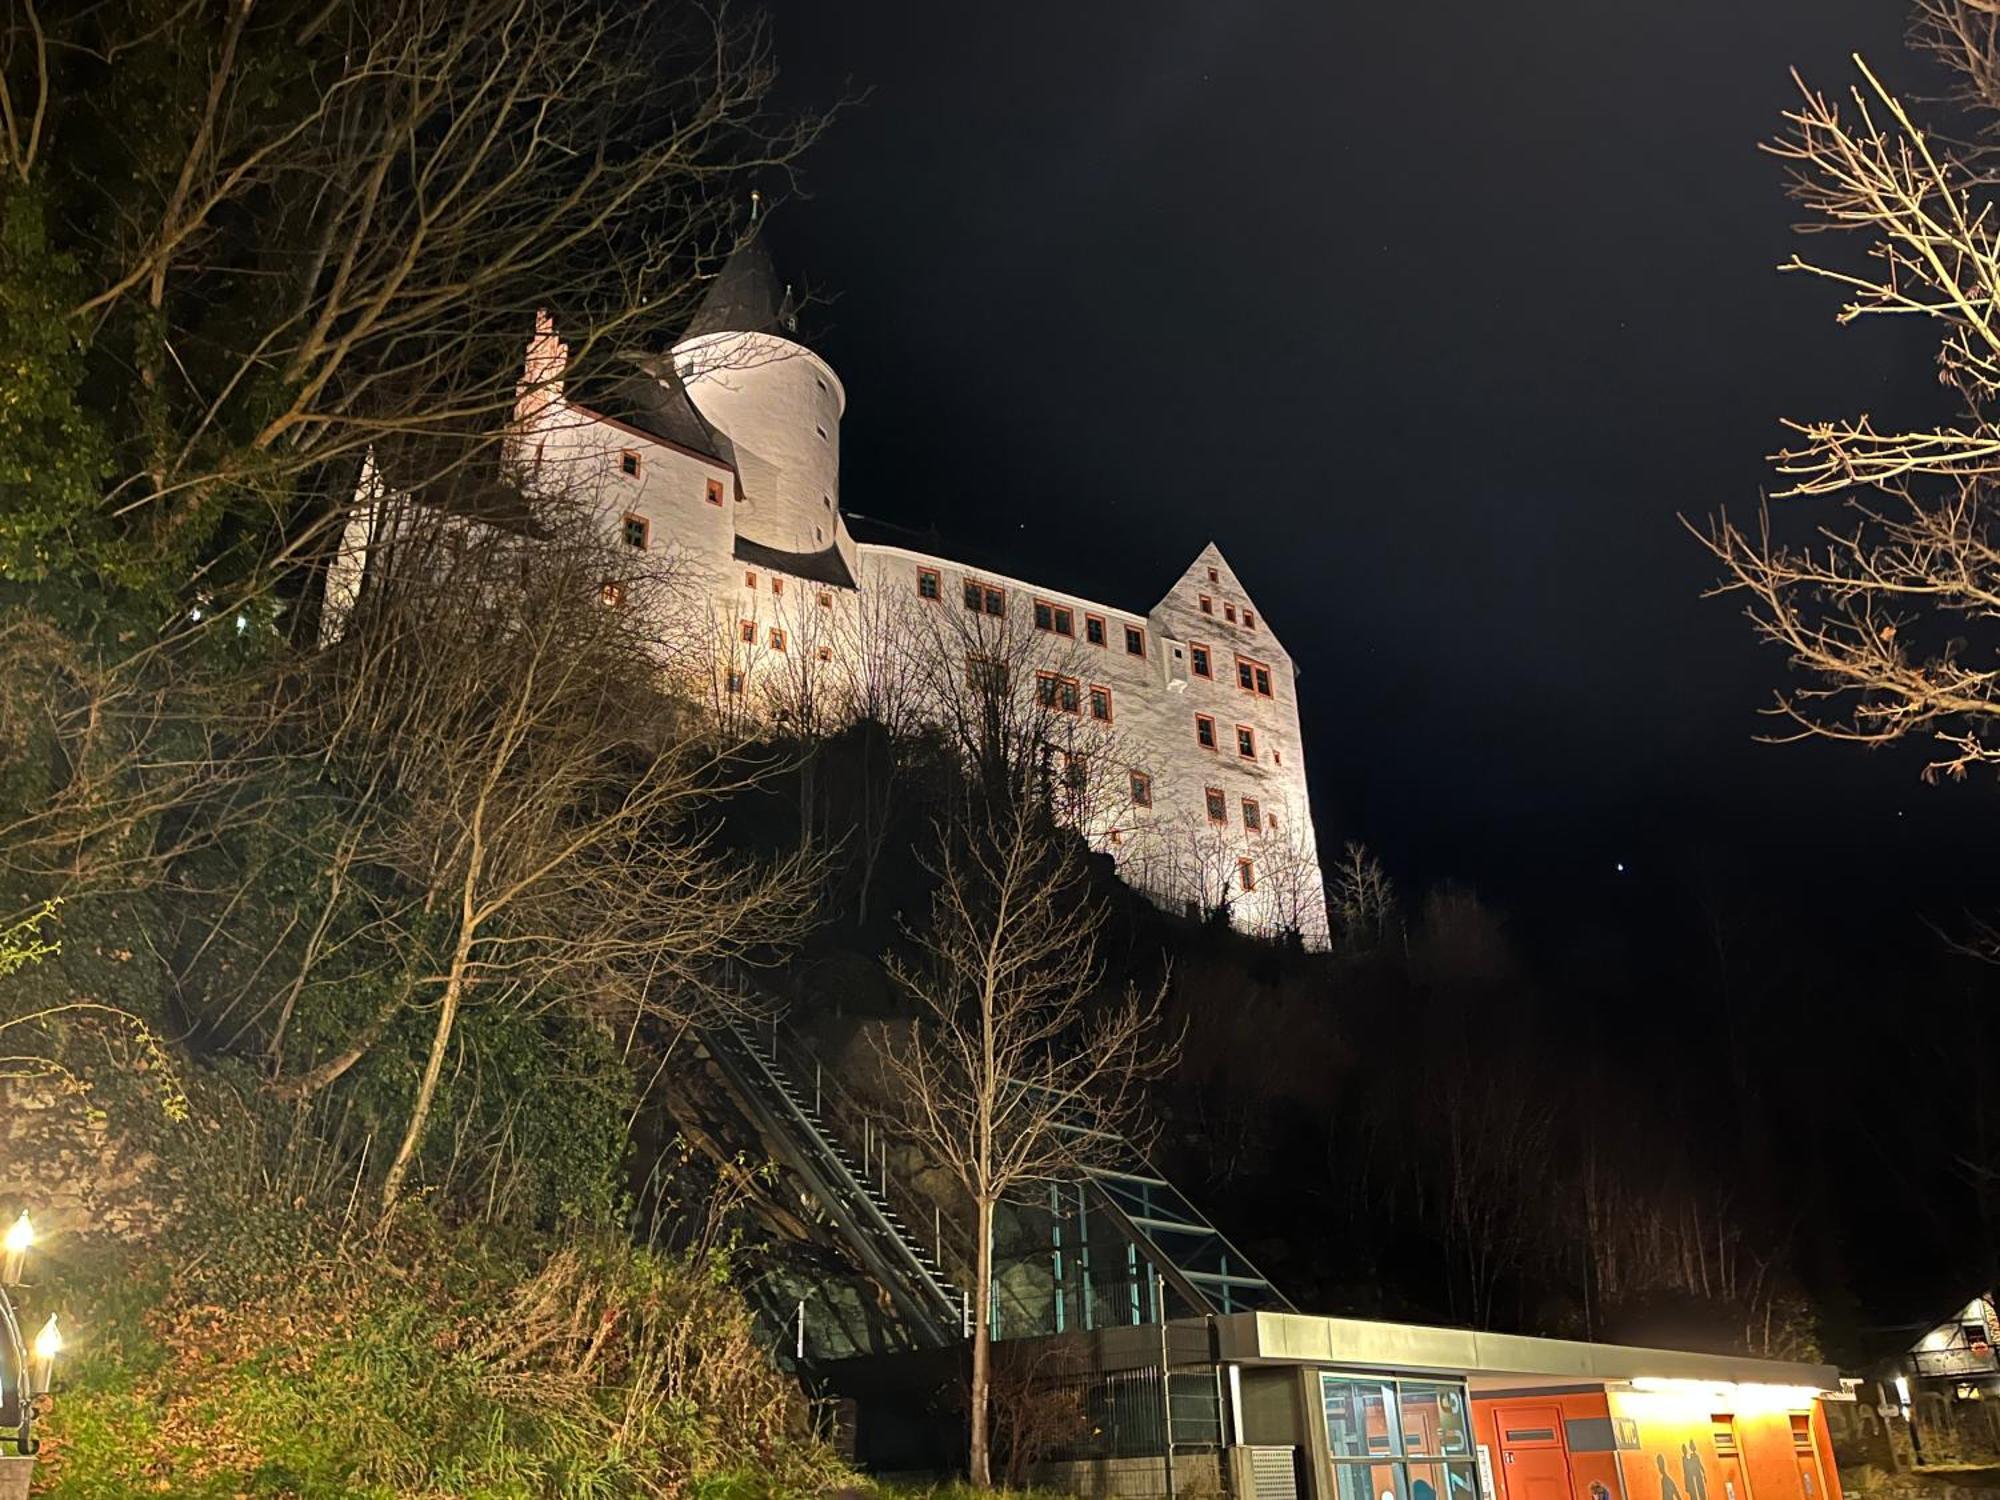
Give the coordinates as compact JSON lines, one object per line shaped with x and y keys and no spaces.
{"x":779,"y":403}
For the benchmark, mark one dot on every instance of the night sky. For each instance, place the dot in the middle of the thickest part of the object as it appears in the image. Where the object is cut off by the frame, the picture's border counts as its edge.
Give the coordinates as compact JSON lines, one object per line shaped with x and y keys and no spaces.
{"x":1436,"y":318}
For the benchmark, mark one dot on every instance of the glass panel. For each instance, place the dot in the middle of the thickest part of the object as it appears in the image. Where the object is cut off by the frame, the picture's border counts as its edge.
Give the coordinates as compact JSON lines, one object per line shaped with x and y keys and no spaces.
{"x":1427,"y":1481}
{"x":1360,"y":1417}
{"x":1461,"y":1482}
{"x":1434,"y":1420}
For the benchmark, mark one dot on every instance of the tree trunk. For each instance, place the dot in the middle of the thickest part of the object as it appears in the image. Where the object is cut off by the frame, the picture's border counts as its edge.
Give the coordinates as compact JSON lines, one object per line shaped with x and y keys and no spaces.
{"x":979,"y":1461}
{"x":413,"y":1136}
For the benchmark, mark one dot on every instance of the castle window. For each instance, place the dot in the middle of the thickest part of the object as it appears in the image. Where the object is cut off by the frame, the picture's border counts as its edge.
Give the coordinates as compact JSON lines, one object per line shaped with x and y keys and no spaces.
{"x":1218,"y":805}
{"x":1207,"y":605}
{"x":612,"y":593}
{"x":1246,"y":875}
{"x":1135,"y":641}
{"x":628,"y":463}
{"x":1204,"y":731}
{"x":929,"y":585}
{"x":635,"y":530}
{"x":983,"y":674}
{"x":1058,"y":618}
{"x":749,"y":579}
{"x":1100,"y":703}
{"x":1246,"y":742}
{"x":826,"y":653}
{"x":1093,"y":630}
{"x":1253,"y":821}
{"x":746,"y":631}
{"x":1115,"y":837}
{"x":1055,"y":691}
{"x":777,"y":585}
{"x":1249,"y":619}
{"x":1213,"y":576}
{"x":714,"y":492}
{"x":1229,"y":613}
{"x":735,"y":682}
{"x":1142,"y":789}
{"x":1253,"y":677}
{"x":777,"y":639}
{"x":985,"y":598}
{"x":825,"y":599}
{"x":1198,"y":659}
{"x":1277,"y":757}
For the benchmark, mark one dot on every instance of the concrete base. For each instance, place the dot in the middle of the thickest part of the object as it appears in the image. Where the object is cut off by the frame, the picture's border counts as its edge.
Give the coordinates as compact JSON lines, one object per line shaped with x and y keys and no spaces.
{"x":15,"y":1472}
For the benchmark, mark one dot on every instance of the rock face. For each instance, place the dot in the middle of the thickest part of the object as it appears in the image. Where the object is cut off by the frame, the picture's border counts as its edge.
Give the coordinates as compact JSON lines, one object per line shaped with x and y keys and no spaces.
{"x":66,"y":1164}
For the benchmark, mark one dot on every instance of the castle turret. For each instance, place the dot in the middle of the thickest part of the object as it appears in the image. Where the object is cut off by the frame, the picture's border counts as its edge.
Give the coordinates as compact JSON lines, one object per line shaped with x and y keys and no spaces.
{"x":779,"y":403}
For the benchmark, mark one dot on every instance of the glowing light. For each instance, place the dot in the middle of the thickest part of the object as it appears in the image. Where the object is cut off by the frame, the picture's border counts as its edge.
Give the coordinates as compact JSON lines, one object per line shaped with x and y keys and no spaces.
{"x":1902,"y":1390}
{"x":1744,"y":1397}
{"x":49,"y":1342}
{"x":20,"y":1235}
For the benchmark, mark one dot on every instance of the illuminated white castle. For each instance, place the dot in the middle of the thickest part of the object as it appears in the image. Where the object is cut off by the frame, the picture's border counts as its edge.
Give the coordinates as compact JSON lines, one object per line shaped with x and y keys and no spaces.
{"x":728,"y":459}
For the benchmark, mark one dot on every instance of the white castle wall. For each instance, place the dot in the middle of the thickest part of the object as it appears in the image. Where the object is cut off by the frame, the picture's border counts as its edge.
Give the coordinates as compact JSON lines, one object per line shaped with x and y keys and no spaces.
{"x":780,"y":405}
{"x":773,"y":412}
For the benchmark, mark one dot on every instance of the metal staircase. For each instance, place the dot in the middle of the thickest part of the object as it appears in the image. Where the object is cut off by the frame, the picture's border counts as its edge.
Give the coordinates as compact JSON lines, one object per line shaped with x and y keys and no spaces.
{"x":907,"y":1269}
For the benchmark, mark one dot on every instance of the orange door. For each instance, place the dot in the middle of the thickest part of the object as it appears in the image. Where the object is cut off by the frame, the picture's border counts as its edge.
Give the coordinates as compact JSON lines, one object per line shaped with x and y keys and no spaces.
{"x":1811,"y":1484}
{"x":1729,"y":1459}
{"x":1534,"y":1465}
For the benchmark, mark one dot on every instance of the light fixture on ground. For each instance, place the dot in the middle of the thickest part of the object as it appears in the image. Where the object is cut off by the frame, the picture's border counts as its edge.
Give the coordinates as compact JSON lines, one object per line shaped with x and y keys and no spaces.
{"x":22,"y":1378}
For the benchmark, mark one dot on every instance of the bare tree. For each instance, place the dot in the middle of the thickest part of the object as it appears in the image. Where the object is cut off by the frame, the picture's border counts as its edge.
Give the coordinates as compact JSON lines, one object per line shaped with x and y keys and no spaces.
{"x":1363,"y":900}
{"x":343,"y":225}
{"x":538,"y":803}
{"x":1889,"y":613}
{"x":1019,"y":1071}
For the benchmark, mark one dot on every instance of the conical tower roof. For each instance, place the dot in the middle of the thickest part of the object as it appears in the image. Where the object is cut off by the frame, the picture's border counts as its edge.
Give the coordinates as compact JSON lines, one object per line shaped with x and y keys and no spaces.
{"x":746,"y":296}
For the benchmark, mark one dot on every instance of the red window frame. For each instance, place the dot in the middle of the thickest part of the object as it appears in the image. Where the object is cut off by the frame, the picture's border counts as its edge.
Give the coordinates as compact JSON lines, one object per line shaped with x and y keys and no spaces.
{"x":1249,"y":619}
{"x":777,"y":638}
{"x":777,"y":584}
{"x":1201,"y":660}
{"x":1064,"y":687}
{"x":1103,"y":641}
{"x":936,"y":595}
{"x":825,"y":599}
{"x":1253,"y":817}
{"x":1246,"y":742}
{"x":1058,"y":614}
{"x":1091,"y":697}
{"x":1246,"y":874}
{"x":714,"y":493}
{"x":1135,"y":633}
{"x":1142,"y":789}
{"x":980,"y":598}
{"x":826,"y":653}
{"x":1229,"y":611}
{"x":1259,"y":673}
{"x":1214,"y":576}
{"x":984,"y":673}
{"x":749,"y":578}
{"x":1216,"y":805}
{"x":625,"y":523}
{"x":1208,"y":741}
{"x":1207,"y":605}
{"x":746,"y":631}
{"x":612,"y":594}
{"x":631,"y":464}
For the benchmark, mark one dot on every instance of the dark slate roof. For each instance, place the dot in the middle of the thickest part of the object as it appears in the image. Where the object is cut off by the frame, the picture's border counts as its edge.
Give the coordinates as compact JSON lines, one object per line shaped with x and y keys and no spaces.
{"x":651,"y":398}
{"x":746,"y":296}
{"x":827,"y":567}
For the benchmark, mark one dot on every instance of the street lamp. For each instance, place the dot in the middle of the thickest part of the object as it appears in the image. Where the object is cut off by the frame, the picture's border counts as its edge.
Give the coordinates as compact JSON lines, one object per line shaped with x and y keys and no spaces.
{"x":20,"y":1380}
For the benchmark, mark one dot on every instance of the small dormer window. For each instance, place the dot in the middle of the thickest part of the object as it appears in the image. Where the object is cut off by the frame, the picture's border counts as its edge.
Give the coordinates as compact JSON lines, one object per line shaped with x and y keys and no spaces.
{"x":628,"y":463}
